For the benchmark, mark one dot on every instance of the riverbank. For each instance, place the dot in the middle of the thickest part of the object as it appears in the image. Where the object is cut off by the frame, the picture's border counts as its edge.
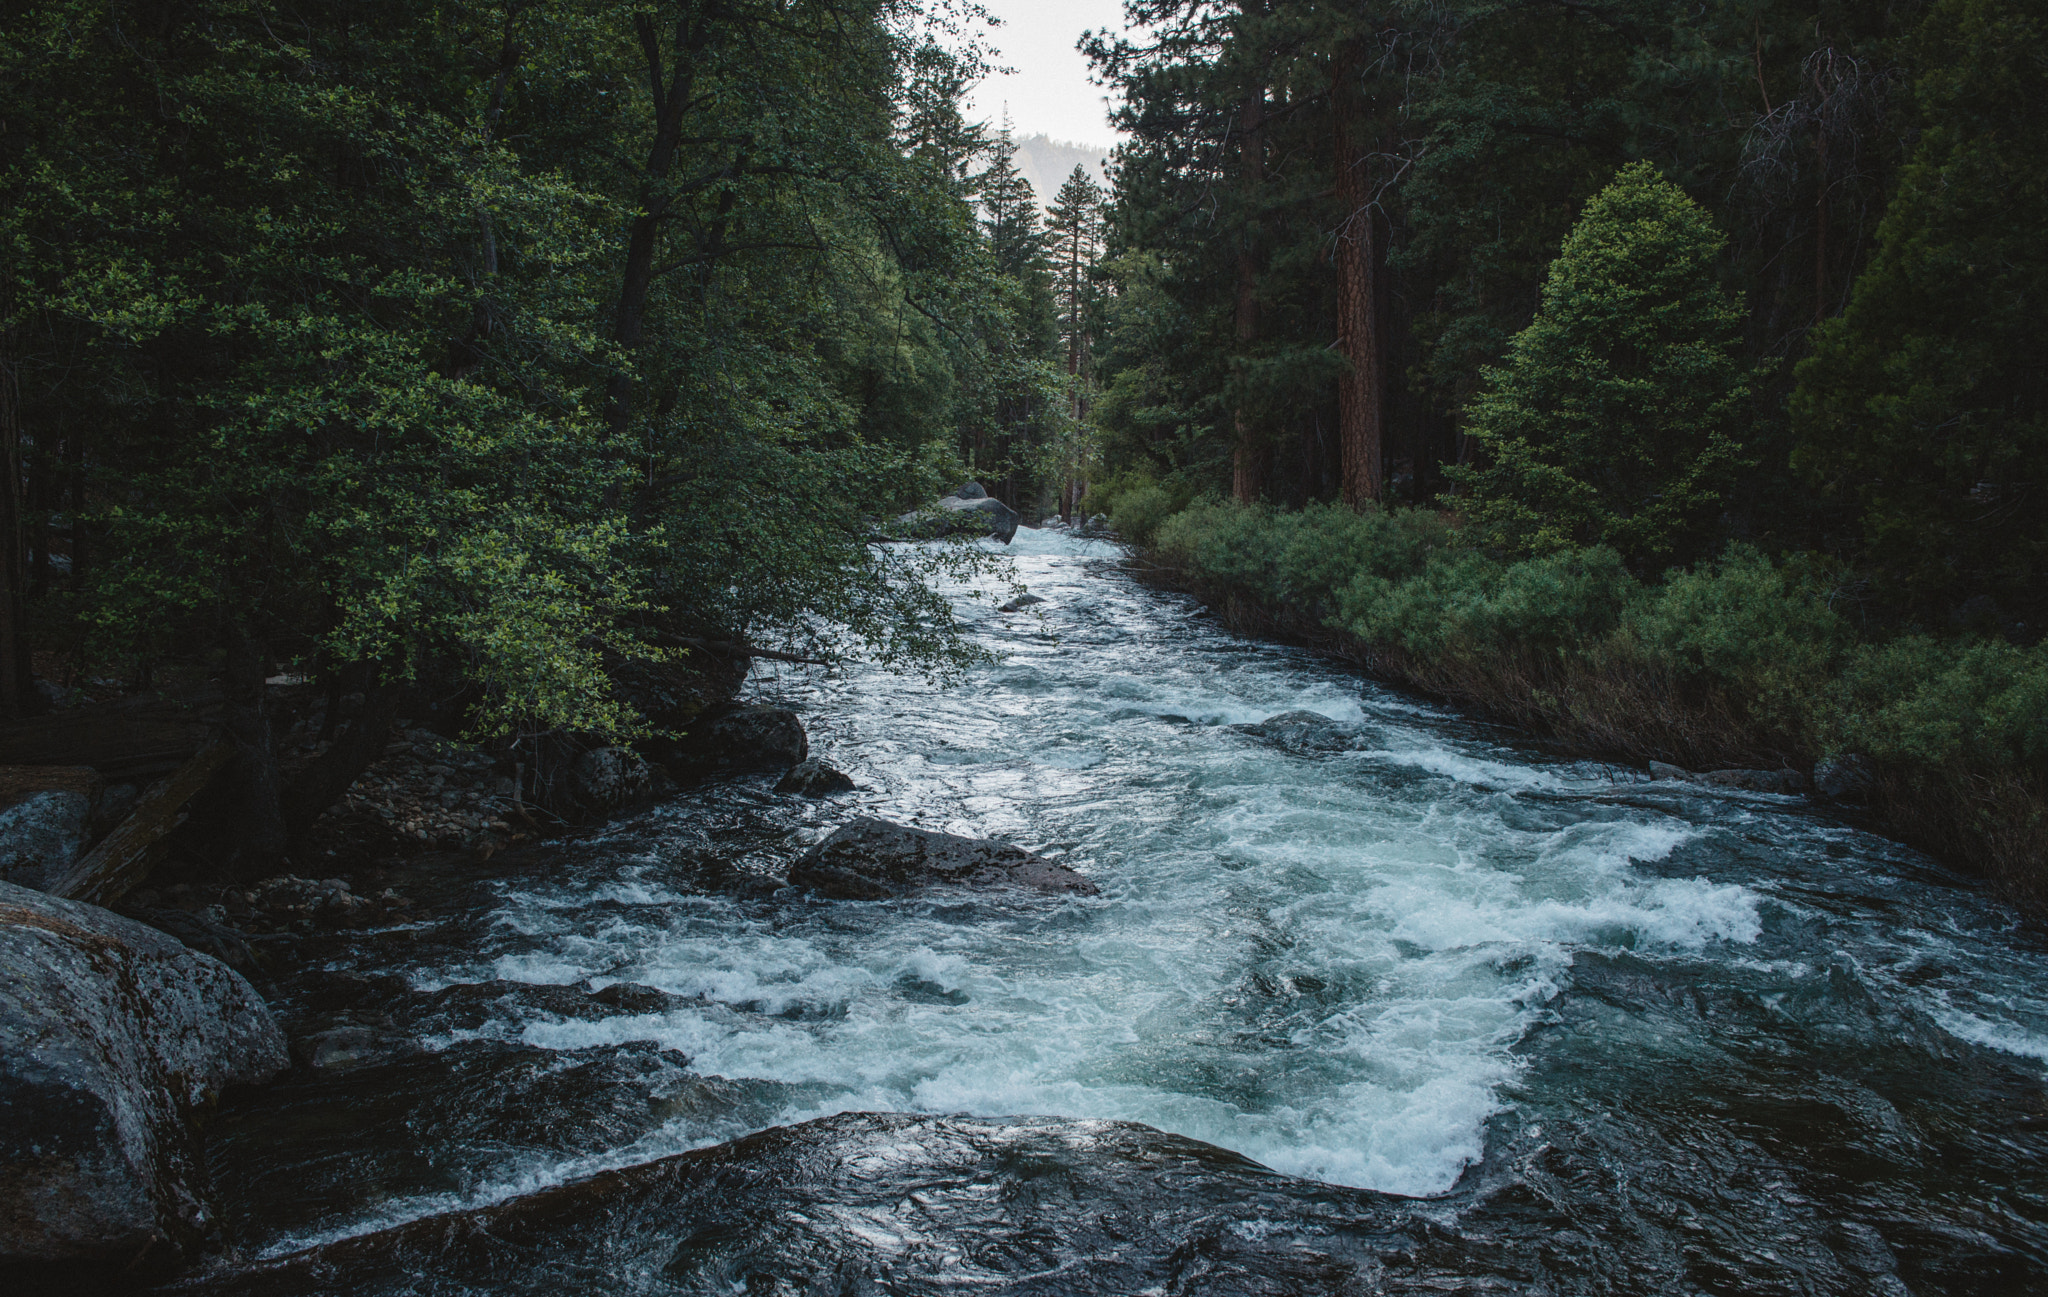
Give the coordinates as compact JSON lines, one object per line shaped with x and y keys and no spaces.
{"x":1357,"y":938}
{"x":1748,"y":662}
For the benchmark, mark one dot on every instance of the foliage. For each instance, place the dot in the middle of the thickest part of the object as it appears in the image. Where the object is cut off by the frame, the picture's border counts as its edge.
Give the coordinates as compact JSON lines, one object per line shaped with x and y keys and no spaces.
{"x":1614,"y":420}
{"x":1922,"y":408}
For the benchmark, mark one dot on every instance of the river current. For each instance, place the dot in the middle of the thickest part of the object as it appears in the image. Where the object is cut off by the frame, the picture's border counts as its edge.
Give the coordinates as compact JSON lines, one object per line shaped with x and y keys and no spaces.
{"x":1731,"y":1038}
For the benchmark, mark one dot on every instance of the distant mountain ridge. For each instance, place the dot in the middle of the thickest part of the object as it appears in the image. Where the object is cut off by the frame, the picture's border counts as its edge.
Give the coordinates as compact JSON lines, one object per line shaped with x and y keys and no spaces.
{"x":1047,"y":162}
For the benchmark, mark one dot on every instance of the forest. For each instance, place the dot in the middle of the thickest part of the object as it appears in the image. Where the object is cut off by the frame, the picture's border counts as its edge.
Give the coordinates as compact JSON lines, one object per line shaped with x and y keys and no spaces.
{"x":1658,"y":375}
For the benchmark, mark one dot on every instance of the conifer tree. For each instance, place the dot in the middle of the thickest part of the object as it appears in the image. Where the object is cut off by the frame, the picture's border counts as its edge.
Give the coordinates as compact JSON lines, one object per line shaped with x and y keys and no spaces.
{"x":1922,"y":407}
{"x":1075,"y":227}
{"x":1612,"y":421}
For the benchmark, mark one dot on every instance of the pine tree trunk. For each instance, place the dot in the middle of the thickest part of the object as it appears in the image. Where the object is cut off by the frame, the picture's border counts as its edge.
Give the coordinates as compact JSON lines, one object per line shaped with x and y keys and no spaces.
{"x":1361,"y":389}
{"x":1248,"y":461}
{"x":18,"y":697}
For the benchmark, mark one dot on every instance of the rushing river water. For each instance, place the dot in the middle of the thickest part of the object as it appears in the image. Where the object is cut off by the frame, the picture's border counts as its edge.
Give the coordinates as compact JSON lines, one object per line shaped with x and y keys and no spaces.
{"x":1625,"y":1037}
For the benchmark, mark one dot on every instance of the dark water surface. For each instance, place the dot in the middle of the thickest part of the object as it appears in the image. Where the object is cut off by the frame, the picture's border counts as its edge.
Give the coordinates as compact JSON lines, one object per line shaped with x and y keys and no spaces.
{"x":1444,"y":1013}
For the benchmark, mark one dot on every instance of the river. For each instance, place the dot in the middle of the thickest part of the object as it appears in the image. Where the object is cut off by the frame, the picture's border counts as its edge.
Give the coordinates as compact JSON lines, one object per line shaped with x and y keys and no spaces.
{"x":1560,"y":1028}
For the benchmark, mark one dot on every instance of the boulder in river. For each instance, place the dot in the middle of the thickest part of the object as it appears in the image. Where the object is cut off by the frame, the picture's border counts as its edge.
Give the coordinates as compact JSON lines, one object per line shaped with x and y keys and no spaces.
{"x":870,"y":859}
{"x":610,"y":778}
{"x":958,"y":516}
{"x":1756,"y":781}
{"x":1844,"y":777}
{"x":742,"y":739}
{"x":813,"y":778}
{"x":111,"y":1035}
{"x":1303,"y":731}
{"x":1020,"y":603}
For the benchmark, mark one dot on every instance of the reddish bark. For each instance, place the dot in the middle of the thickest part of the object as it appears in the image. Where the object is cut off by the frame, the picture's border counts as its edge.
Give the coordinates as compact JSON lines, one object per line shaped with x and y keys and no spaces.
{"x":1361,"y":389}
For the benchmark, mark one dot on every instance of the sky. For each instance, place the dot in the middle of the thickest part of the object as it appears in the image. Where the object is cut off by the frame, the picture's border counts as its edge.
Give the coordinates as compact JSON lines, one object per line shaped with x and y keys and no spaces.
{"x":1049,"y":93}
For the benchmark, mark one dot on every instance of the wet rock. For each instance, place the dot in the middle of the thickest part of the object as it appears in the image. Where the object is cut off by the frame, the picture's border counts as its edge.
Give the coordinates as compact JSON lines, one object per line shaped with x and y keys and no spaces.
{"x":1020,"y":603}
{"x":111,"y":1035}
{"x":633,"y":998}
{"x":1845,"y":777}
{"x":871,"y":859}
{"x":1303,"y":731}
{"x":903,"y":1204}
{"x":743,"y":739}
{"x":1757,"y":781}
{"x":45,"y":818}
{"x":959,"y":516}
{"x":813,"y":778}
{"x":609,"y":779}
{"x":350,"y":1046}
{"x":1665,"y":770}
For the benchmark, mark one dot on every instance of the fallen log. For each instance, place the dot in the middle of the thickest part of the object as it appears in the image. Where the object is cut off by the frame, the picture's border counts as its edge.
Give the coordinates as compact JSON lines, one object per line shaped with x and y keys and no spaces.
{"x":109,"y":871}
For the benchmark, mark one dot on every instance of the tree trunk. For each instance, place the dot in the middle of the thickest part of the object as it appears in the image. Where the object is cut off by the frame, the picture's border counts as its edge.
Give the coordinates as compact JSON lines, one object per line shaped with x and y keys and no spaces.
{"x":251,"y":832}
{"x":321,"y":784}
{"x":643,"y":236}
{"x":1248,"y":461}
{"x":18,"y":696}
{"x":1361,"y":390}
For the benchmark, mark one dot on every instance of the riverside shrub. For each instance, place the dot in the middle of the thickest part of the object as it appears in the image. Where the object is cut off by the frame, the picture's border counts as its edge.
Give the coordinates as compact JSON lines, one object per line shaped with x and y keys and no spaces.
{"x":1745,"y":658}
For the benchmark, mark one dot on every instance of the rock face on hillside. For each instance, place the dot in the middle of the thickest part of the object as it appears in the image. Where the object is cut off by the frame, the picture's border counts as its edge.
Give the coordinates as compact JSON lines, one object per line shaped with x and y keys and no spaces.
{"x":872,"y":859}
{"x":111,"y":1035}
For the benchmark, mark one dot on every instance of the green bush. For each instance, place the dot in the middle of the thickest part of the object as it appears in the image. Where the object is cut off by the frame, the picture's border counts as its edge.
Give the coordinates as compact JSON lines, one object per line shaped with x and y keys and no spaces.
{"x":1470,"y":606}
{"x":1763,"y":631}
{"x":1919,"y":701}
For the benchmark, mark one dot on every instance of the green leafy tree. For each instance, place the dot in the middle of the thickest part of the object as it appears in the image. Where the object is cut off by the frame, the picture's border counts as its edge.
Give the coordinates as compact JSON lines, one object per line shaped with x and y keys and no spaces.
{"x":1924,"y":407}
{"x":1615,"y":419}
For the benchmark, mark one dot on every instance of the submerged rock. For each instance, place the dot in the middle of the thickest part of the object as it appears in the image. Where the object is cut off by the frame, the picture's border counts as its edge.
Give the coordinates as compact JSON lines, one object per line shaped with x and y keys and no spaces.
{"x":111,"y":1035}
{"x":1020,"y":603}
{"x":871,"y":859}
{"x":1662,"y":770}
{"x":1303,"y":731}
{"x":1756,"y":781}
{"x":813,"y":778}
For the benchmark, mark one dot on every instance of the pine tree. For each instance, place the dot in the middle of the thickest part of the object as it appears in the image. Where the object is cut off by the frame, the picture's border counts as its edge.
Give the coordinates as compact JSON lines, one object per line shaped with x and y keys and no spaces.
{"x":1075,"y":227}
{"x":1922,"y":407}
{"x":1612,"y":421}
{"x":1010,"y":210}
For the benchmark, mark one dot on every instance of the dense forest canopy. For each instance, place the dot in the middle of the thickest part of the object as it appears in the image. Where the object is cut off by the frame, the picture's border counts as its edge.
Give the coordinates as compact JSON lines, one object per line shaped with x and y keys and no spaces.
{"x":1334,"y":223}
{"x":475,"y":347}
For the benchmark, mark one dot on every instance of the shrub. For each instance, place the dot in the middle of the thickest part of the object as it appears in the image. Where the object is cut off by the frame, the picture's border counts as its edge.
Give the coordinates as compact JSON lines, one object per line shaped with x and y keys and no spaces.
{"x":1762,"y":632}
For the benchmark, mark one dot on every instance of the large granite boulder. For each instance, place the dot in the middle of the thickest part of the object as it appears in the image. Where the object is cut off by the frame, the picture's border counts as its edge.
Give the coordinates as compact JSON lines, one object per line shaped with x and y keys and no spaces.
{"x":112,"y":1034}
{"x":742,"y":739}
{"x":959,"y":516}
{"x":46,"y":815}
{"x":870,"y":859}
